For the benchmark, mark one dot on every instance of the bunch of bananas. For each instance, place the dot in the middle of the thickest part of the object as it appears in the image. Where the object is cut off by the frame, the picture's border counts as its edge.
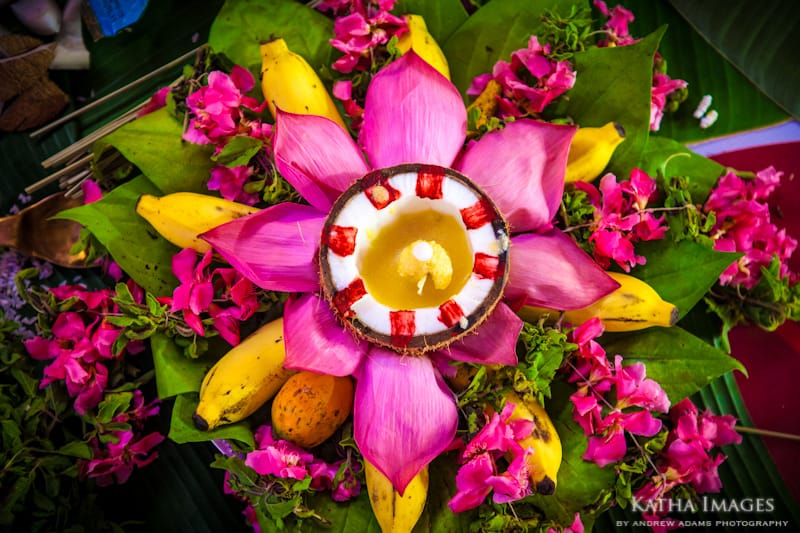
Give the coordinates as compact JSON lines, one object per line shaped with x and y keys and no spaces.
{"x":182,"y":217}
{"x":591,"y":150}
{"x":632,"y":306}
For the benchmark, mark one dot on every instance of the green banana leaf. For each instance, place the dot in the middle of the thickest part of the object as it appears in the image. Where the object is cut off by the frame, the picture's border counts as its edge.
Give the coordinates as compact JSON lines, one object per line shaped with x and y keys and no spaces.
{"x":180,"y":492}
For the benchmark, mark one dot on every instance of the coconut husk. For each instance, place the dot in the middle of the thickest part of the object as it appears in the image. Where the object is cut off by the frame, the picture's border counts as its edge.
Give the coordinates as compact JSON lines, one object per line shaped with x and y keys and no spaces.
{"x":19,"y":70}
{"x":36,"y":105}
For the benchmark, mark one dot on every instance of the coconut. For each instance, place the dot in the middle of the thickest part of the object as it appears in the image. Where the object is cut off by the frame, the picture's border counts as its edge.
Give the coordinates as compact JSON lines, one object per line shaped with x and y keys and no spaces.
{"x":413,"y":257}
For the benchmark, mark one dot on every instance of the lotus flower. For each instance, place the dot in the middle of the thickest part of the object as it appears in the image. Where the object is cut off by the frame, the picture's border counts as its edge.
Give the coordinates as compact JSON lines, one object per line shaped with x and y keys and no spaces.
{"x":404,"y":413}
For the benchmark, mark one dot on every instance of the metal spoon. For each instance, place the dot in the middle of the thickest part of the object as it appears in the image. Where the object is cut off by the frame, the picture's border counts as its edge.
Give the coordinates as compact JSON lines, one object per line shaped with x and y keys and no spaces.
{"x":33,"y":233}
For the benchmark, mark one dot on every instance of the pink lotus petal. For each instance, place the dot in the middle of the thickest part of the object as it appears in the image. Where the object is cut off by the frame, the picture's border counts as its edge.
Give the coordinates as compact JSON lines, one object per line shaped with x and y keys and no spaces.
{"x":274,"y":248}
{"x":550,"y":270}
{"x":521,"y":167}
{"x":404,"y":415}
{"x":412,"y":114}
{"x":494,"y":342}
{"x":317,"y":341}
{"x":317,"y":157}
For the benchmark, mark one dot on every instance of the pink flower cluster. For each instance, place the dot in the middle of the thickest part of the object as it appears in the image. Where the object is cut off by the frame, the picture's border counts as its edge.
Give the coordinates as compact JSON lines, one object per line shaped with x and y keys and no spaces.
{"x":616,"y":29}
{"x":743,"y":224}
{"x":686,"y":458}
{"x":621,"y":218}
{"x":479,"y":475}
{"x":283,"y":459}
{"x":115,"y":458}
{"x":634,"y":395}
{"x":360,"y":27}
{"x":219,"y":112}
{"x":222,"y":292}
{"x":81,"y":343}
{"x":529,"y":82}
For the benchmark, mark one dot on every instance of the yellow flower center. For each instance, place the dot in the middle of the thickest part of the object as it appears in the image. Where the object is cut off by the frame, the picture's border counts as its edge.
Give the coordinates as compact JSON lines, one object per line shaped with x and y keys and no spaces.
{"x":419,"y":259}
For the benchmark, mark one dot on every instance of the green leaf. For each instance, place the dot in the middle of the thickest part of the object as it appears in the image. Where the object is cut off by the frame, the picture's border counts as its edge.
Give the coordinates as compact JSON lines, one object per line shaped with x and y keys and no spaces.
{"x":681,"y":272}
{"x":153,"y":143}
{"x":492,"y":33}
{"x":757,"y":39}
{"x":176,"y":373}
{"x":740,"y":104}
{"x":613,"y":84}
{"x":680,"y":362}
{"x":112,"y":405}
{"x":242,"y":25}
{"x":355,"y":515}
{"x":182,"y":429}
{"x":671,"y":158}
{"x":579,"y":482}
{"x":141,"y":252}
{"x":239,"y":151}
{"x":442,"y":17}
{"x":76,"y":448}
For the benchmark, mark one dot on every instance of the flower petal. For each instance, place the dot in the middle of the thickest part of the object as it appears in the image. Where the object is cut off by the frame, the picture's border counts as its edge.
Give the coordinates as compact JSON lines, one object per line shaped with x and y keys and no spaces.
{"x":316,"y":341}
{"x":404,"y":415}
{"x":274,"y":248}
{"x":521,"y":167}
{"x":494,"y":342}
{"x":412,"y":114}
{"x":317,"y":157}
{"x":550,"y":270}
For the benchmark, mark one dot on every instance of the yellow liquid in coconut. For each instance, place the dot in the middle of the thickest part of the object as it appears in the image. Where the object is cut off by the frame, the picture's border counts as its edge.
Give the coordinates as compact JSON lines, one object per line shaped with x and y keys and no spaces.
{"x":379,"y":264}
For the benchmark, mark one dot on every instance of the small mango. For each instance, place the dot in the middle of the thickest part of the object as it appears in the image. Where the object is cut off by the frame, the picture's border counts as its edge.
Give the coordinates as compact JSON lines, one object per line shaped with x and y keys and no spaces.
{"x":310,"y":407}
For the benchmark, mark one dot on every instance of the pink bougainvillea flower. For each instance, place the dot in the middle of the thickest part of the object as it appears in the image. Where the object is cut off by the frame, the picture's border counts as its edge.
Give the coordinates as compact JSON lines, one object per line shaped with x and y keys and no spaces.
{"x":621,"y":218}
{"x":414,"y":119}
{"x":663,"y":86}
{"x":115,"y":461}
{"x":479,"y":474}
{"x":230,"y":182}
{"x":744,"y":224}
{"x":529,"y":82}
{"x":605,"y":423}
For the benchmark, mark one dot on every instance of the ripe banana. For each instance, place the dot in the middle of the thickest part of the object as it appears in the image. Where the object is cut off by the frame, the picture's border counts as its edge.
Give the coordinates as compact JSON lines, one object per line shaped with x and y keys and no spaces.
{"x":545,"y":460}
{"x":180,"y":217}
{"x":290,"y":84}
{"x":243,"y":379}
{"x":634,"y":305}
{"x":591,"y":150}
{"x":396,"y":513}
{"x":418,"y":38}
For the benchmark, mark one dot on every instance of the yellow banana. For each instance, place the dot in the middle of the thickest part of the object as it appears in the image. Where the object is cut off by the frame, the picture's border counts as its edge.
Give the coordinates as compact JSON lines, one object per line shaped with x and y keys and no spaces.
{"x":591,"y":150}
{"x":291,"y":84}
{"x":244,"y":378}
{"x":545,"y":460}
{"x":180,"y":217}
{"x":418,"y":38}
{"x":634,"y":305}
{"x":396,"y":513}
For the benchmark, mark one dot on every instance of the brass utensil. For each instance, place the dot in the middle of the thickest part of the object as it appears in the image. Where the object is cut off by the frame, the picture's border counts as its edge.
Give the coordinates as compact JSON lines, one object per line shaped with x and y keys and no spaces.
{"x":33,"y":233}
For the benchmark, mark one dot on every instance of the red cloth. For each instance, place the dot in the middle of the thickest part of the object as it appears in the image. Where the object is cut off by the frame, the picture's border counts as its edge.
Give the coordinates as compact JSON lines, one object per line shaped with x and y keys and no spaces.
{"x":773,"y":359}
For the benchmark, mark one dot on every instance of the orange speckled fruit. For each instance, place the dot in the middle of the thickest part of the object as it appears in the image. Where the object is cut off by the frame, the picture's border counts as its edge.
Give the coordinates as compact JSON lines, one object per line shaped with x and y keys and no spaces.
{"x":310,"y":407}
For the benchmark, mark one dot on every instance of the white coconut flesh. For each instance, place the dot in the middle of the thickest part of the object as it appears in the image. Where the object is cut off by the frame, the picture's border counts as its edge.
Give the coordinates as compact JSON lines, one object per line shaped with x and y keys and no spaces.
{"x":413,"y":257}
